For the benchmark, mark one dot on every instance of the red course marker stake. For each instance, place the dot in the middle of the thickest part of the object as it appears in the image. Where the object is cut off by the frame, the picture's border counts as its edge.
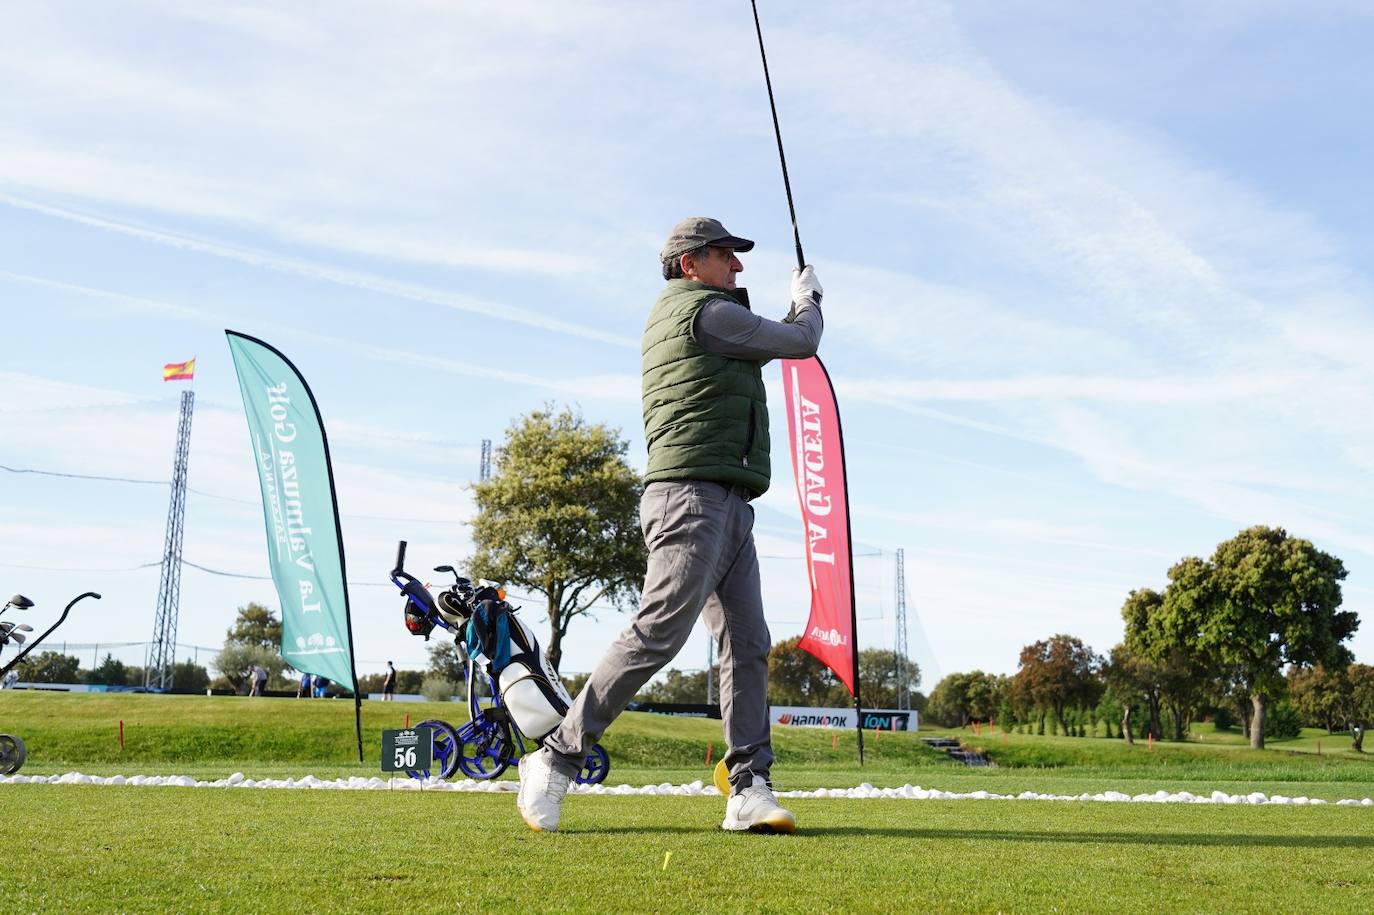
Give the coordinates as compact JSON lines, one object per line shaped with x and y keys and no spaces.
{"x":710,"y":748}
{"x":407,"y":724}
{"x":834,"y":742}
{"x":121,"y":734}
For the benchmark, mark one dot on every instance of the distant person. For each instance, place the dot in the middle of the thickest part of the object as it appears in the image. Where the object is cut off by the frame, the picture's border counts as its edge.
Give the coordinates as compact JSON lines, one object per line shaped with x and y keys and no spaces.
{"x":321,"y":686}
{"x":389,"y":684}
{"x":303,"y":687}
{"x":11,"y":678}
{"x":259,"y":680}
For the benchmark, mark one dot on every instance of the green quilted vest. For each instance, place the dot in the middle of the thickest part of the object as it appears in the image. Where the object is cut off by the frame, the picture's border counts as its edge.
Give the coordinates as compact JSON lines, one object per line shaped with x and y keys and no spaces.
{"x":705,"y":416}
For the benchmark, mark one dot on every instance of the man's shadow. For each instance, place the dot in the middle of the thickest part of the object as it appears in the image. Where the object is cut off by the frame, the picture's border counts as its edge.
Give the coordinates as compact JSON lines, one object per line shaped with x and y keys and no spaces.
{"x":1040,"y":836}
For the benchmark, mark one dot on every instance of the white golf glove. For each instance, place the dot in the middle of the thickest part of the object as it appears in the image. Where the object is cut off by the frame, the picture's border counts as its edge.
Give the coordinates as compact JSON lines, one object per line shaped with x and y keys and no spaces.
{"x":805,"y":287}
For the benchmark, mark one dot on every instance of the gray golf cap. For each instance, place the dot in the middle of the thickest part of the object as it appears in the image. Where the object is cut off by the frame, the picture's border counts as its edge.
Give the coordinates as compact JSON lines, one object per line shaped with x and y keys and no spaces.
{"x":696,"y":231}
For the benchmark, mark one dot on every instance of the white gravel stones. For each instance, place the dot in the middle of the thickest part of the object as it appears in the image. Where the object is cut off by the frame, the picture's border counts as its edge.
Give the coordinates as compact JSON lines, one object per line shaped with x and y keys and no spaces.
{"x":695,"y":789}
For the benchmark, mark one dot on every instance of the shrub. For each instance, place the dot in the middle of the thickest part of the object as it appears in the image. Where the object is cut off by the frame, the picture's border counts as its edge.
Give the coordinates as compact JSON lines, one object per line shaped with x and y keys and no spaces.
{"x":1223,"y":718}
{"x":438,"y":689}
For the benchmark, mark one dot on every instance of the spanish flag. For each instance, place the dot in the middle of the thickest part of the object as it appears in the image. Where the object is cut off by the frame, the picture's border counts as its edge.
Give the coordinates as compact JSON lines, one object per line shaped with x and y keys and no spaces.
{"x":179,"y":371}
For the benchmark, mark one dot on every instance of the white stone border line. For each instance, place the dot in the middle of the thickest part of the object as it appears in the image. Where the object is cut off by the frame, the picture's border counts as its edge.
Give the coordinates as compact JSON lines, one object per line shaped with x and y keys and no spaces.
{"x":695,"y":789}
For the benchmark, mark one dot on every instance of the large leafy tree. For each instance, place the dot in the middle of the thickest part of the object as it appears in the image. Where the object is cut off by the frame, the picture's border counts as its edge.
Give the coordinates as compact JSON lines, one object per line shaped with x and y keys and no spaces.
{"x":1321,"y":695}
{"x":795,"y":677}
{"x":1263,"y":602}
{"x":1361,"y":711}
{"x":254,"y":639}
{"x":963,"y":697}
{"x":878,"y":683}
{"x":560,"y":516}
{"x":1060,"y":673}
{"x":1178,"y":672}
{"x":1131,"y":679}
{"x":256,"y":625}
{"x":50,"y":667}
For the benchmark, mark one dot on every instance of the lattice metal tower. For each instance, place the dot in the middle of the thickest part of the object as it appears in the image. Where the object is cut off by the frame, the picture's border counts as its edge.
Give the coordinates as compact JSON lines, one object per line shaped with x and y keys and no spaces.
{"x":484,"y":471}
{"x":903,"y":692}
{"x":162,"y":655}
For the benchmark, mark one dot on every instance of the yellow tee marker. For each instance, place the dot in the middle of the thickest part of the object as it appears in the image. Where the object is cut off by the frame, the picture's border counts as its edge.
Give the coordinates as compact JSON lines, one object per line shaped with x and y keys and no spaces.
{"x":721,"y":776}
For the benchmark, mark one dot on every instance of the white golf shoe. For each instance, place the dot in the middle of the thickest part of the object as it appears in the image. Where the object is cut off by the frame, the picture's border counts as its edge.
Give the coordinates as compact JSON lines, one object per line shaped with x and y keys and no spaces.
{"x":755,"y":809}
{"x":542,"y":788}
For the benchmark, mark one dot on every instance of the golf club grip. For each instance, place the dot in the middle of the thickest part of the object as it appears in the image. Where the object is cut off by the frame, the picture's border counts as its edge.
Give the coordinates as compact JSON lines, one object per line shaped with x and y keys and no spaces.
{"x":400,"y":555}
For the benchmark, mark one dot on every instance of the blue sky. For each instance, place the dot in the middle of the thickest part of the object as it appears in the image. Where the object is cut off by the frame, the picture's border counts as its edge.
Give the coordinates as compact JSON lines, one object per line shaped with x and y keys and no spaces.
{"x":1097,"y":284}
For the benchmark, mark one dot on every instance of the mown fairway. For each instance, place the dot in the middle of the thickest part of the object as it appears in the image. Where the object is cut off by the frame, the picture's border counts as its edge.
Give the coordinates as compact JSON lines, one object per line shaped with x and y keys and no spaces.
{"x":169,"y":849}
{"x":77,"y":848}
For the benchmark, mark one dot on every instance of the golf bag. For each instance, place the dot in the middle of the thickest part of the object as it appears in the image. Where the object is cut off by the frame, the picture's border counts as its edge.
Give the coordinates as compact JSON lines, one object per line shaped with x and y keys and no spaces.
{"x":530,"y":689}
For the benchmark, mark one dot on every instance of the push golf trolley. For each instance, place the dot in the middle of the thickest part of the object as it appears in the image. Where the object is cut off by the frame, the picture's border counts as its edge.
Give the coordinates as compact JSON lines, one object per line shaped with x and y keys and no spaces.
{"x":12,"y":752}
{"x":514,"y":701}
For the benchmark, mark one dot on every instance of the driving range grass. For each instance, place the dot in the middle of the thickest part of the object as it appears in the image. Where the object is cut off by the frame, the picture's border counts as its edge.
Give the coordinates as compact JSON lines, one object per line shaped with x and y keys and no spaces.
{"x":213,"y":737}
{"x":97,"y":849}
{"x":94,"y":849}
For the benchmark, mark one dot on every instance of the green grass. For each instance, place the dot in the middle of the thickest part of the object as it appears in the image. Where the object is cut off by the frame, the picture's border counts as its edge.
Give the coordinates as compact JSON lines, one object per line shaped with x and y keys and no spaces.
{"x":86,"y":849}
{"x":93,"y":849}
{"x":211,"y":737}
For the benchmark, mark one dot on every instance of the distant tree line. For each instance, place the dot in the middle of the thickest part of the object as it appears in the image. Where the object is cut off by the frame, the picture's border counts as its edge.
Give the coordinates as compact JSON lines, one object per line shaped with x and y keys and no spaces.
{"x":1252,"y":636}
{"x":56,"y":667}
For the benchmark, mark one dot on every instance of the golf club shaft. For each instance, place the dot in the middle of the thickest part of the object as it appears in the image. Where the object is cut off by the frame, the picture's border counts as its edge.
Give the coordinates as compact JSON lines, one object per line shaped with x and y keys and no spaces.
{"x":777,"y":132}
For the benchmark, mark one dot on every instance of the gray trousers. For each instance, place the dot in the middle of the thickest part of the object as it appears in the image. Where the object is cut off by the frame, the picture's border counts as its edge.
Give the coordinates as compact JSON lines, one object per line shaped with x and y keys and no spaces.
{"x":701,"y":559}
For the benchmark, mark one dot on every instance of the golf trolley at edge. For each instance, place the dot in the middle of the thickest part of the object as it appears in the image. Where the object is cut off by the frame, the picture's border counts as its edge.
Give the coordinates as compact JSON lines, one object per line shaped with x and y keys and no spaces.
{"x":12,"y":750}
{"x":527,"y":701}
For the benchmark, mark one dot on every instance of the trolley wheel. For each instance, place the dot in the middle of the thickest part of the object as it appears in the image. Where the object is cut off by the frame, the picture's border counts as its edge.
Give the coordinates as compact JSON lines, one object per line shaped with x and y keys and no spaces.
{"x":597,"y":767}
{"x":12,"y":754}
{"x":485,"y":749}
{"x":445,"y":749}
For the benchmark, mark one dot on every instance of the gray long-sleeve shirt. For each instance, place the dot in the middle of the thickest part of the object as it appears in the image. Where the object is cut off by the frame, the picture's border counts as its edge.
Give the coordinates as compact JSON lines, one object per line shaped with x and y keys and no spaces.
{"x":729,"y":329}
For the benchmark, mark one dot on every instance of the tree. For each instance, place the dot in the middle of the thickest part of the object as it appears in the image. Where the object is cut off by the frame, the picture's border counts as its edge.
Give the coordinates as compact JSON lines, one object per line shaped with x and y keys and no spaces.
{"x":963,"y":697}
{"x":110,"y":672}
{"x":187,"y":675}
{"x":235,"y":661}
{"x":878,"y":686}
{"x":1058,"y":674}
{"x":1178,"y":673}
{"x":796,"y":677}
{"x":256,"y":625}
{"x":1361,"y":712}
{"x":678,"y":686}
{"x":1263,"y":602}
{"x":254,"y":639}
{"x":1320,"y":695}
{"x":573,"y":683}
{"x":560,"y":516}
{"x":50,"y":667}
{"x":445,"y":662}
{"x":1132,"y":679}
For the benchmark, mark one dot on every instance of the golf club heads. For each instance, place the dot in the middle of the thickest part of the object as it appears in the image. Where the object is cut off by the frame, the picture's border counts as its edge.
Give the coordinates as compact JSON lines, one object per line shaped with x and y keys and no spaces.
{"x":19,"y":602}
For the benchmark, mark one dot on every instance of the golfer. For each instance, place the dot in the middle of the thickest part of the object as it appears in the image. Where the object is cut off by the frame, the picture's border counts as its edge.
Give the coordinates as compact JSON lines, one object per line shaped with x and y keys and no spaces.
{"x":706,"y":426}
{"x":389,"y":684}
